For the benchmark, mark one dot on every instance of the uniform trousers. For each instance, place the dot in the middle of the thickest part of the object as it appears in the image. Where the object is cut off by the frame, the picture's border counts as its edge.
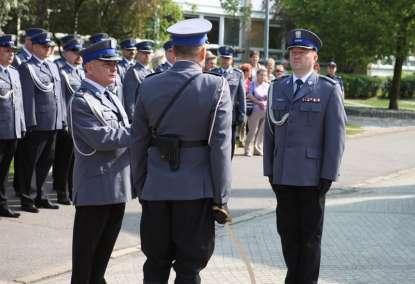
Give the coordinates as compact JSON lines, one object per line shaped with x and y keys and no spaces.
{"x":95,"y":231}
{"x":255,"y":136}
{"x":300,"y":214}
{"x":18,"y":177}
{"x":7,"y":149}
{"x":233,"y":140}
{"x":63,"y":164}
{"x":38,"y":149}
{"x":178,"y":234}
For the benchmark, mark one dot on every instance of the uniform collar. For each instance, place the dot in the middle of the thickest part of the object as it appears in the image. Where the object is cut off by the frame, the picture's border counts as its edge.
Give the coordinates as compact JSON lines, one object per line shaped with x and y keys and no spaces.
{"x":303,"y":78}
{"x":101,"y":89}
{"x":38,"y":59}
{"x":186,"y":64}
{"x":27,"y":51}
{"x":4,"y":68}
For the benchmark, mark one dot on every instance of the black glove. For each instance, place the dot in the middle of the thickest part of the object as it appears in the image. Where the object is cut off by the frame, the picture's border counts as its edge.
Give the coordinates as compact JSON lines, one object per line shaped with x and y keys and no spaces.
{"x":324,"y":185}
{"x":221,"y":214}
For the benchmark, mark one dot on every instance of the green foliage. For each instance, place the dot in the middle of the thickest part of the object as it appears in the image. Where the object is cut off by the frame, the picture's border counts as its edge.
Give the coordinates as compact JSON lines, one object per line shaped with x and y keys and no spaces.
{"x":407,"y":90}
{"x":362,"y":86}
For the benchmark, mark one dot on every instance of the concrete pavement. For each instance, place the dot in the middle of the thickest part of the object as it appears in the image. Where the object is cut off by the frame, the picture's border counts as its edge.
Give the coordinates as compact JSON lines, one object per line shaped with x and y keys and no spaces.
{"x":39,"y":245}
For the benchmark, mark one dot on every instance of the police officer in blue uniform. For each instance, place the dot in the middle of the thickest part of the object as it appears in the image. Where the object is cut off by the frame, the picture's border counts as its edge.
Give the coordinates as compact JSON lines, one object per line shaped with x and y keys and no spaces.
{"x":235,"y":79}
{"x":128,"y":50}
{"x":72,"y":74}
{"x":45,"y":115}
{"x":170,"y":58}
{"x":22,"y":56}
{"x":303,"y":146}
{"x":12,"y":122}
{"x":62,"y":42}
{"x":331,"y":73}
{"x":102,"y":184}
{"x":136,"y":74}
{"x":181,"y":167}
{"x":97,"y":38}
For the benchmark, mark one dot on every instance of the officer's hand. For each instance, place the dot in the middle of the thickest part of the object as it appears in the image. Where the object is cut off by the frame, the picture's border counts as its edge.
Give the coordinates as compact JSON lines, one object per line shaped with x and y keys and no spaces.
{"x":221,"y":214}
{"x":324,"y":186}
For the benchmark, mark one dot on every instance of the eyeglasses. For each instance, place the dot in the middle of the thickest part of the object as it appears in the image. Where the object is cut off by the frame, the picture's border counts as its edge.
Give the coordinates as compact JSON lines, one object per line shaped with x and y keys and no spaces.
{"x":279,"y":71}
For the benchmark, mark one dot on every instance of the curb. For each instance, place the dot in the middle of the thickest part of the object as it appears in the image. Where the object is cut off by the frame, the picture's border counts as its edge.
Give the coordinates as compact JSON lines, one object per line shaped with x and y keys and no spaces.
{"x":380,"y":113}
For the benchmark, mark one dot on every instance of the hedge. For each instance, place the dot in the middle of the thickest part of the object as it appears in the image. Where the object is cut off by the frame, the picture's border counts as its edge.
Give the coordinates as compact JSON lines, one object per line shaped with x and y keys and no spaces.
{"x":362,"y":86}
{"x":407,"y":90}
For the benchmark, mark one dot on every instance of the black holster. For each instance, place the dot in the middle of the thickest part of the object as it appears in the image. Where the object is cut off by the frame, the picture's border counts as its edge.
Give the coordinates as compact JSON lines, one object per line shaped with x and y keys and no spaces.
{"x":169,"y":148}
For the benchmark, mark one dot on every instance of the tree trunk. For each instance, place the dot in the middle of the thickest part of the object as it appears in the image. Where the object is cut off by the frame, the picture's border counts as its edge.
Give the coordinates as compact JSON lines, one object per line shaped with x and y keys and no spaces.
{"x":246,"y":26}
{"x":400,"y":56}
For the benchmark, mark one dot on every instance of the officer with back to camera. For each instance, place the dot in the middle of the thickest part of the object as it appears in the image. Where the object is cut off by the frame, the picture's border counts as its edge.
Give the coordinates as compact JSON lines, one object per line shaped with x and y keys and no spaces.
{"x":181,"y":167}
{"x":102,"y":184}
{"x":303,"y":146}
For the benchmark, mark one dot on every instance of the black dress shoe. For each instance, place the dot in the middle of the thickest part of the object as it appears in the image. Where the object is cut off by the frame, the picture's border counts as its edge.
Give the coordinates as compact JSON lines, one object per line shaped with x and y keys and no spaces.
{"x":30,"y":208}
{"x":6,"y":212}
{"x":45,"y":203}
{"x":64,"y":200}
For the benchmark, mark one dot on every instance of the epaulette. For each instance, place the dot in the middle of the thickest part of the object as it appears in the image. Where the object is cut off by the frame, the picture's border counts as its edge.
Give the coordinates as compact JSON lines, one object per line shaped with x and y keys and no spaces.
{"x":327,"y":79}
{"x":213,"y":73}
{"x":280,"y":78}
{"x":152,"y":74}
{"x":239,"y":70}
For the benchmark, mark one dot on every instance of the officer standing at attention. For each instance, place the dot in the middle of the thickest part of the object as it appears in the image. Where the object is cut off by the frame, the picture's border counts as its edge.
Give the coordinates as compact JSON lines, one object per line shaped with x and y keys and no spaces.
{"x":72,"y":74}
{"x":61,"y":60}
{"x":101,"y":134}
{"x":235,"y":79}
{"x":44,"y":114}
{"x":136,"y":74}
{"x":182,"y":168}
{"x":22,"y":56}
{"x":97,"y":38}
{"x":170,"y":58}
{"x":12,"y":122}
{"x":331,"y":72}
{"x":303,"y":147}
{"x":128,"y":50}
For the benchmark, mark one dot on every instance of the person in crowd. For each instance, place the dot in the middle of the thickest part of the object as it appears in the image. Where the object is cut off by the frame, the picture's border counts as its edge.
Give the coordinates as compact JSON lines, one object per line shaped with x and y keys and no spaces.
{"x":258,"y":94}
{"x":279,"y":71}
{"x":170,"y":58}
{"x":136,"y":74}
{"x":246,"y":70}
{"x":210,"y":62}
{"x":128,"y":51}
{"x":254,"y":62}
{"x":270,"y":69}
{"x":235,"y":80}
{"x":71,"y":73}
{"x":45,"y":114}
{"x":304,"y":142}
{"x":181,"y":167}
{"x":101,"y":135}
{"x":12,"y":120}
{"x":331,"y":72}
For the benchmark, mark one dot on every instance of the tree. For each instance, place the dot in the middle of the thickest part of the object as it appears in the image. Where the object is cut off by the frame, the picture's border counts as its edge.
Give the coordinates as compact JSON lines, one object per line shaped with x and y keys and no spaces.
{"x":355,"y":32}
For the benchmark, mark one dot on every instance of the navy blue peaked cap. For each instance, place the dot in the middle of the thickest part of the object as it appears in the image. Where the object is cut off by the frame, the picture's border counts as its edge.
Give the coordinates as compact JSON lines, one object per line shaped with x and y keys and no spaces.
{"x":226,"y":51}
{"x":30,"y":32}
{"x":97,"y":37}
{"x":74,"y":44}
{"x":168,"y":44}
{"x":102,"y":50}
{"x":128,"y":43}
{"x":190,"y":32}
{"x":303,"y":38}
{"x":145,"y":46}
{"x":8,"y":40}
{"x":44,"y":38}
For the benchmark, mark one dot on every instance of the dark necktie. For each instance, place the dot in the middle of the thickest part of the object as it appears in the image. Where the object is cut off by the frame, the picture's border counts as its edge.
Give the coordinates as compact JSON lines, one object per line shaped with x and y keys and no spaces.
{"x":298,"y":84}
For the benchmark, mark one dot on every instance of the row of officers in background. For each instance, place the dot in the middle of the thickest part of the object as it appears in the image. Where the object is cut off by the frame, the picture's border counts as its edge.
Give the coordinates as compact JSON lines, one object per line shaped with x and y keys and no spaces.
{"x":34,"y":96}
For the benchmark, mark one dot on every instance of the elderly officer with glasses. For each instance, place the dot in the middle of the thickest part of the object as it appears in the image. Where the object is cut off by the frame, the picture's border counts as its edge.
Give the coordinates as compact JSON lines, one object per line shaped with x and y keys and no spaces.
{"x":303,"y":146}
{"x":102,"y":185}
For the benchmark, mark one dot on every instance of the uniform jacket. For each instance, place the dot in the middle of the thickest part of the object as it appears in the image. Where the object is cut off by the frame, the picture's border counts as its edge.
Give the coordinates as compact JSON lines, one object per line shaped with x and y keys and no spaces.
{"x":12,"y":120}
{"x":123,"y":66}
{"x":21,"y":57}
{"x":102,"y":171}
{"x":60,"y":62}
{"x":237,"y":87}
{"x":71,"y":79}
{"x":44,"y":108}
{"x":132,"y":81}
{"x":205,"y":172}
{"x":310,"y":145}
{"x":163,"y":67}
{"x":339,"y":81}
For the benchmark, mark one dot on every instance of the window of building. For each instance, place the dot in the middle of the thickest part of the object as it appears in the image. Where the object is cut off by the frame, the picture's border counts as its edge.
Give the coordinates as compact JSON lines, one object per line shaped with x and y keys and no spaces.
{"x":275,"y":37}
{"x":213,"y":35}
{"x":231,"y":32}
{"x":256,"y":36}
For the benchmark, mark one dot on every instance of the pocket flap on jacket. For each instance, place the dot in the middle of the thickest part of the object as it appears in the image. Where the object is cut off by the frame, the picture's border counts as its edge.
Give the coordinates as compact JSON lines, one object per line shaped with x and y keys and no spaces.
{"x":313,"y":153}
{"x":310,"y":107}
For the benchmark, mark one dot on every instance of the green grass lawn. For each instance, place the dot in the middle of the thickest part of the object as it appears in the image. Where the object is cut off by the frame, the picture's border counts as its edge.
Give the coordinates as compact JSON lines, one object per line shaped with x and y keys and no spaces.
{"x":380,"y":103}
{"x":353,"y":129}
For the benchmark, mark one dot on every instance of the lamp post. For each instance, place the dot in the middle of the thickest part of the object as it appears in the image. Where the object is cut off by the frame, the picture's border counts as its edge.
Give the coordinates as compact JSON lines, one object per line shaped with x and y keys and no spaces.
{"x":266,"y":30}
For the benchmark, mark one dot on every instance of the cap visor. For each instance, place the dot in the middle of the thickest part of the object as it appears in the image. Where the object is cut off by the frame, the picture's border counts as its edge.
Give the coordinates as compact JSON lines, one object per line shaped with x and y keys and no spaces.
{"x":302,"y":46}
{"x":110,"y":58}
{"x":226,"y":56}
{"x":130,"y":48}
